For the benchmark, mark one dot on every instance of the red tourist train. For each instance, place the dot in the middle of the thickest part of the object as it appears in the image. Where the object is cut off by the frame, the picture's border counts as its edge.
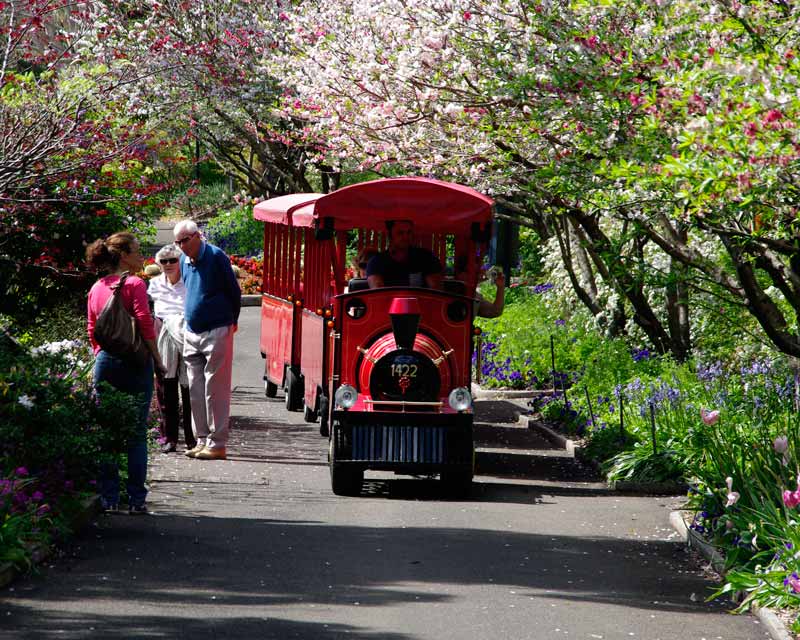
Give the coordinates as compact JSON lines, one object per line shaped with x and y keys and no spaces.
{"x":387,"y":371}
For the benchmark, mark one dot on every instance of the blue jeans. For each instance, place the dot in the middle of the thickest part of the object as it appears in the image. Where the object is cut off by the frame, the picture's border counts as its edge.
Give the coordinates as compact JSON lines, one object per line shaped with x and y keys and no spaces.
{"x":137,"y":381}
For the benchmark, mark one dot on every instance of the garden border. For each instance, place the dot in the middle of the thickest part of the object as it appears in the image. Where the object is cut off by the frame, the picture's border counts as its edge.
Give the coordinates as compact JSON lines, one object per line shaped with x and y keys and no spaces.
{"x":637,"y":488}
{"x":777,"y":630}
{"x":89,"y":508}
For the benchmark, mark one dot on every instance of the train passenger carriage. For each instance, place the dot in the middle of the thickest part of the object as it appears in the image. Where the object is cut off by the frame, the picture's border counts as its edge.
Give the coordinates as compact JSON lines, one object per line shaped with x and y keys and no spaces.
{"x":387,"y":370}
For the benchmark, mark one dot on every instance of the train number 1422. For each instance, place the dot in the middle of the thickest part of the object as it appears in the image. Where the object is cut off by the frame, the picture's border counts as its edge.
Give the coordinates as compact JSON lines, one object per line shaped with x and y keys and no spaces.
{"x":404,"y":370}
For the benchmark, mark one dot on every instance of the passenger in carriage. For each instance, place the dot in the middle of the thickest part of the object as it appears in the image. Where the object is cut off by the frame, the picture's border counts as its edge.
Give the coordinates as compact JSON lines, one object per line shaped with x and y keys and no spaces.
{"x":483,"y":307}
{"x":403,"y":264}
{"x":362,"y":260}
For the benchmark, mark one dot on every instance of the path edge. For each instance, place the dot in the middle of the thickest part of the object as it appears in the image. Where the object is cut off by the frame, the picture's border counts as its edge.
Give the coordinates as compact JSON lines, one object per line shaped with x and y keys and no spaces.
{"x":89,"y":508}
{"x":777,"y":630}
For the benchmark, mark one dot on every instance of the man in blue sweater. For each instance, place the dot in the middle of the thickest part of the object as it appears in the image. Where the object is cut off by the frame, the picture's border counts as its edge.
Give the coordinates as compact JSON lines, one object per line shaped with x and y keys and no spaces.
{"x":213,"y":300}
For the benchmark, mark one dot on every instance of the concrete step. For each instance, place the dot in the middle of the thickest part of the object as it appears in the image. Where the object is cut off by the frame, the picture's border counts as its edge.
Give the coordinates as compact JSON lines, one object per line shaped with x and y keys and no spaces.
{"x":516,"y":436}
{"x":549,"y":465}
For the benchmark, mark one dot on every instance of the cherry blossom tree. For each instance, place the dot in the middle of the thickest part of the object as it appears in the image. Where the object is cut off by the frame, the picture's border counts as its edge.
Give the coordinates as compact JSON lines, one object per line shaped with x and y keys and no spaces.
{"x":657,"y":140}
{"x":204,"y":67}
{"x":72,"y":166}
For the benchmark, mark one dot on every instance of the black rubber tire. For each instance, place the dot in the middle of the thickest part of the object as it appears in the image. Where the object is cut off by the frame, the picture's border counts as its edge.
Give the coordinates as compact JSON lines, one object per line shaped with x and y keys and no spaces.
{"x":324,"y":431}
{"x":309,"y":415}
{"x":270,"y":389}
{"x":294,"y":391}
{"x":345,"y":480}
{"x":457,"y":483}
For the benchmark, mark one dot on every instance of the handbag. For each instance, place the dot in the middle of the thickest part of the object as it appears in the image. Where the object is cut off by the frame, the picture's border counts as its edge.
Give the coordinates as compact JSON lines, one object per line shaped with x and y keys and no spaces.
{"x":116,"y":332}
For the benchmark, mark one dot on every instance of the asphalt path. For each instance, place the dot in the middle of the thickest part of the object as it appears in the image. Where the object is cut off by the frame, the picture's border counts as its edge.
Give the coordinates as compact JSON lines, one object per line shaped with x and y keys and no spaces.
{"x":258,"y":547}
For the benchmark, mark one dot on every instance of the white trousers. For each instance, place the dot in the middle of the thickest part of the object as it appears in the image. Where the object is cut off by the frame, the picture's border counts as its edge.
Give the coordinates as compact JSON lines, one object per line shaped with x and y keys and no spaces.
{"x":209,"y":365}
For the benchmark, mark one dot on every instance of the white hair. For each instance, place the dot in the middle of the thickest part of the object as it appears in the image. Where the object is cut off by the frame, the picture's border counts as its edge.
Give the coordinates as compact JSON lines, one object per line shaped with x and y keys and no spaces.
{"x":186,"y":226}
{"x":168,"y":251}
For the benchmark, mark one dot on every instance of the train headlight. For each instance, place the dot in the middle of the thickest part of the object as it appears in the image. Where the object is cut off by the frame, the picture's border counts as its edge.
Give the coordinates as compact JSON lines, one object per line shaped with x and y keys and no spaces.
{"x":346,"y":396}
{"x":460,"y":399}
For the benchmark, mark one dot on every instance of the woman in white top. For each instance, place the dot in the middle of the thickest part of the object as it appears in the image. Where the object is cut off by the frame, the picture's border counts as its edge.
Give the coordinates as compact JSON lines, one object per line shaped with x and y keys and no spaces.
{"x":168,"y":293}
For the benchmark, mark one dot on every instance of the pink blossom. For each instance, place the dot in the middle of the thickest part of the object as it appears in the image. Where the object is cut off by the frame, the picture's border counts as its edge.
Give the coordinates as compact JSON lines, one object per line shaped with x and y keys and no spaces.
{"x":781,"y":444}
{"x":709,"y":417}
{"x":791,"y":499}
{"x":467,"y":15}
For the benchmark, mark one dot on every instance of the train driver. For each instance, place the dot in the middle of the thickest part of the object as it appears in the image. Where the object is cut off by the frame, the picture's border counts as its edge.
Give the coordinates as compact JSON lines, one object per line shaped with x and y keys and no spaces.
{"x":403,"y":264}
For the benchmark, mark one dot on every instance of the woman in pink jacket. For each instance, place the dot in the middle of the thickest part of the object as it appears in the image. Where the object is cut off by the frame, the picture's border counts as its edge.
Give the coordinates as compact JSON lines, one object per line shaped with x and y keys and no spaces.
{"x":116,"y":255}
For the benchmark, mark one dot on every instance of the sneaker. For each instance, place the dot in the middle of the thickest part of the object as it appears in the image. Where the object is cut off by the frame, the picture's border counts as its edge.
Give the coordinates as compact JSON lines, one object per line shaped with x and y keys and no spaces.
{"x":191,"y":453}
{"x":217,"y":453}
{"x":138,"y":510}
{"x":169,"y":447}
{"x":110,"y":509}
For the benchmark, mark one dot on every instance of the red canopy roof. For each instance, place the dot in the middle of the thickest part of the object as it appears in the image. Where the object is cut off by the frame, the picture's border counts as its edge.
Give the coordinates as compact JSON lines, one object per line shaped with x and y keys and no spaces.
{"x":296,"y":209}
{"x":433,"y":205}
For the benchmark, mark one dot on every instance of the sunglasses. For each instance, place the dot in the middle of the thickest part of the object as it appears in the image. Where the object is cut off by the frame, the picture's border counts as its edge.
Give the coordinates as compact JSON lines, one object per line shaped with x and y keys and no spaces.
{"x":181,"y":242}
{"x":168,"y":261}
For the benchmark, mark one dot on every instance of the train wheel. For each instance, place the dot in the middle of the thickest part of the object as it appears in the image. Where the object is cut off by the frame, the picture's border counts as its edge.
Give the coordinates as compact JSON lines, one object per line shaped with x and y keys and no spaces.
{"x":309,"y":415}
{"x":457,"y":483}
{"x":345,"y":481}
{"x":324,"y":431}
{"x":294,"y":391}
{"x":270,"y":389}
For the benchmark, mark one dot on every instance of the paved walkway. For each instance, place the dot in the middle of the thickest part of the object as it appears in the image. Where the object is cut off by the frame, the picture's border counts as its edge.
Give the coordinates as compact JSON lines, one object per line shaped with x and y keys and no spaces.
{"x":258,"y":547}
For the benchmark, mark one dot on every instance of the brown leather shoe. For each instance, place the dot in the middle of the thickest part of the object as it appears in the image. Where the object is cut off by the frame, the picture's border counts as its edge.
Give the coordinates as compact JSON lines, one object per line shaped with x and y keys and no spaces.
{"x":217,"y":453}
{"x":192,"y":453}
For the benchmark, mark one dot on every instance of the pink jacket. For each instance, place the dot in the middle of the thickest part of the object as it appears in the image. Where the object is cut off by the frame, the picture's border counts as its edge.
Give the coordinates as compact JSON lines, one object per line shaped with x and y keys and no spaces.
{"x":134,"y":299}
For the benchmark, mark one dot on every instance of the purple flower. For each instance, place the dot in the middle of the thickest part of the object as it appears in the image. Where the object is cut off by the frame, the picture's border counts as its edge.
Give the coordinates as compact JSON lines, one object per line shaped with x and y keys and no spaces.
{"x":560,"y":322}
{"x":793,"y":582}
{"x":709,"y":373}
{"x":37,"y":496}
{"x":21,"y":472}
{"x":641,"y":354}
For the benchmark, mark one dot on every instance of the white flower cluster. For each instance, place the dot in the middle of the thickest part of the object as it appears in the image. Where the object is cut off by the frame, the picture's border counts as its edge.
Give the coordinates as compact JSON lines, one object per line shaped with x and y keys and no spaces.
{"x":52,"y":348}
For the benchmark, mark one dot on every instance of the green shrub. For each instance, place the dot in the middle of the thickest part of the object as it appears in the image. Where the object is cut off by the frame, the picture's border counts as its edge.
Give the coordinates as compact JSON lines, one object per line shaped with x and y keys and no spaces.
{"x":236,"y":232}
{"x":51,"y":421}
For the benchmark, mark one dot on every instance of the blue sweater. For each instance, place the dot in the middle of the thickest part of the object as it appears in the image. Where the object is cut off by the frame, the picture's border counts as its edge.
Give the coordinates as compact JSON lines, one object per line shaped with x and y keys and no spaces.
{"x":213,"y":296}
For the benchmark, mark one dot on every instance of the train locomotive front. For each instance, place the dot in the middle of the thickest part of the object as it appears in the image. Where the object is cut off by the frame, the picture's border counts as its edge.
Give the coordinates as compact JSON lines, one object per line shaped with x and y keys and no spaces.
{"x":402,"y":401}
{"x":385,"y":370}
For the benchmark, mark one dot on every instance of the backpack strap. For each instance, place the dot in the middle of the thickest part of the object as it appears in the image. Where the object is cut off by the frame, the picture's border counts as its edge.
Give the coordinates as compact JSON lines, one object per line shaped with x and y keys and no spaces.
{"x":122,"y":278}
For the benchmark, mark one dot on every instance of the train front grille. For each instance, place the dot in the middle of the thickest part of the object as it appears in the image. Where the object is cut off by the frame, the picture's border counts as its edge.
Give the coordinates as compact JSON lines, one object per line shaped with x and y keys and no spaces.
{"x":376,"y":443}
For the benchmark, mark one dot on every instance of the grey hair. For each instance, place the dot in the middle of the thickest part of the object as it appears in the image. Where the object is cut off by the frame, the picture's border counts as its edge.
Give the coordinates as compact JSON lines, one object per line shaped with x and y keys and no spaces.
{"x":187,"y":226}
{"x":168,"y":251}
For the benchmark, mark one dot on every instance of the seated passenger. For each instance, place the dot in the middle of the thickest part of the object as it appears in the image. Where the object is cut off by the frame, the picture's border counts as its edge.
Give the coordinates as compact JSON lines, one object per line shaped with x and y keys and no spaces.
{"x":403,"y":264}
{"x":362,"y":259}
{"x":483,"y":307}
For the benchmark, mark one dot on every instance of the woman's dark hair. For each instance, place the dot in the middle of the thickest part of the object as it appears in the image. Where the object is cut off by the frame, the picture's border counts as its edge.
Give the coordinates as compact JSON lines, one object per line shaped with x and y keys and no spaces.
{"x":104,"y":254}
{"x":364,"y":256}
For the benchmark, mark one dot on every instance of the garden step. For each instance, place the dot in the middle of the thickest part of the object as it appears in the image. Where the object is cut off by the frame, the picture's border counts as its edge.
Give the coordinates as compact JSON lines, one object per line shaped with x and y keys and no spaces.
{"x":517,"y":436}
{"x":532,"y":464}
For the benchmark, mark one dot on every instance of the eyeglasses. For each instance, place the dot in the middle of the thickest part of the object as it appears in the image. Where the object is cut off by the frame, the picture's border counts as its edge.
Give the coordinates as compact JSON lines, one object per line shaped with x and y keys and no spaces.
{"x":181,"y":242}
{"x":168,"y":261}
